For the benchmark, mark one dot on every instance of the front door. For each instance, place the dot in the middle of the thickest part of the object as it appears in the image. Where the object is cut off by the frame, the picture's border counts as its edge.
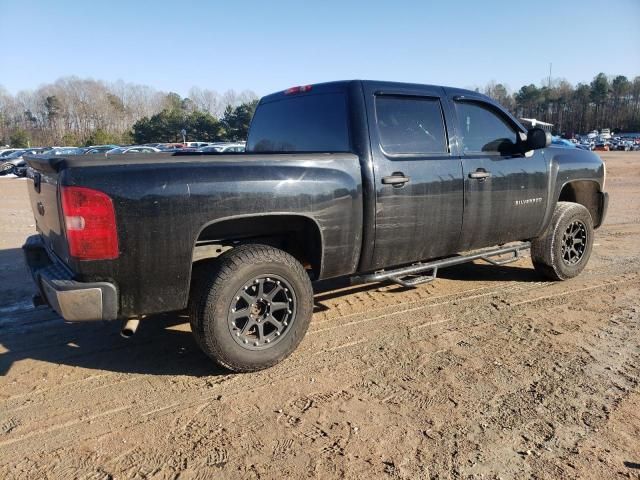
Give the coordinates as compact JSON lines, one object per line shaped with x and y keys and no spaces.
{"x":505,"y":191}
{"x":419,"y":187}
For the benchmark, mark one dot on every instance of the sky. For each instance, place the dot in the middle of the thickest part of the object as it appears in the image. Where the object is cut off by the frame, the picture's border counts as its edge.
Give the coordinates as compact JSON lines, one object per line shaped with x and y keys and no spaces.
{"x":266,"y":46}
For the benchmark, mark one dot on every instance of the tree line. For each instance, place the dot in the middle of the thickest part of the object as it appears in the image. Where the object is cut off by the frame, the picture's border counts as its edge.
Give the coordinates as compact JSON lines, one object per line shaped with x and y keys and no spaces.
{"x":74,"y":111}
{"x":606,"y":102}
{"x":183,"y":114}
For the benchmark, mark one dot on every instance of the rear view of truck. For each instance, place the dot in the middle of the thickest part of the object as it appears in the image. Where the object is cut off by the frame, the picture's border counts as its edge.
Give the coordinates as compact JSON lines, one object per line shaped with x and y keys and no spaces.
{"x":73,"y":223}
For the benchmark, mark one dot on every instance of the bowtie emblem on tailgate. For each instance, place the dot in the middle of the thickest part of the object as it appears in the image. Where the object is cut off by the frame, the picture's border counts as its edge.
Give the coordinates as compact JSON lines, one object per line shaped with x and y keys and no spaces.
{"x":41,"y":208}
{"x":36,"y":181}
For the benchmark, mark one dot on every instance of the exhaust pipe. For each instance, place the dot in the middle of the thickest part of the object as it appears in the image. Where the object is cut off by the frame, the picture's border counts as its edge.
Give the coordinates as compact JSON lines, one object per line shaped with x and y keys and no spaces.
{"x":130,"y":327}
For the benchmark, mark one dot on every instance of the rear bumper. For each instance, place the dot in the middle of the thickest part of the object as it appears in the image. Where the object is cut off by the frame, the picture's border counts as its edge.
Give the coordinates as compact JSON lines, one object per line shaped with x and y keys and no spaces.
{"x":72,"y":300}
{"x":603,"y":201}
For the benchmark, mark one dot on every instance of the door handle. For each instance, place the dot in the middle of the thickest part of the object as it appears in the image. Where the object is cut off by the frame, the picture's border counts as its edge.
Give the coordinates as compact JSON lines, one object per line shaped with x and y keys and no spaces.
{"x":398,"y":179}
{"x":480,"y":174}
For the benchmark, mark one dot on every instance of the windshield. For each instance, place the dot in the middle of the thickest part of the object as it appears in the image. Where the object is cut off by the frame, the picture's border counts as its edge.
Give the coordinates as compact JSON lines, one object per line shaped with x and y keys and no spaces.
{"x":67,"y":151}
{"x":15,"y":154}
{"x":116,"y":151}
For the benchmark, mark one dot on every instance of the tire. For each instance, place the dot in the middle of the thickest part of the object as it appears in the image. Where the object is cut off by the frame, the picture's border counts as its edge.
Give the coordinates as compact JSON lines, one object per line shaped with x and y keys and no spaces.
{"x":250,"y":308}
{"x":7,"y":168}
{"x":564,"y":249}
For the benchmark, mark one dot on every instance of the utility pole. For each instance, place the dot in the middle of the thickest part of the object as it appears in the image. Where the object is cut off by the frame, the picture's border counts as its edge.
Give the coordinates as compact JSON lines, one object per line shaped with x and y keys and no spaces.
{"x":550,"y":107}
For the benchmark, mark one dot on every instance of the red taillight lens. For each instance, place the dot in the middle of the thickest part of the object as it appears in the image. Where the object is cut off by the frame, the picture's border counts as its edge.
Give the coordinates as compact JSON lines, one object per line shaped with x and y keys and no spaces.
{"x":302,"y":89}
{"x":90,"y":222}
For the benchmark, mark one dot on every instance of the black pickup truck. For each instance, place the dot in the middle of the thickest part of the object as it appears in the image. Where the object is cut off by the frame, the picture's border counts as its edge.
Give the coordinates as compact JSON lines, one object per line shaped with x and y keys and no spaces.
{"x":372,"y":181}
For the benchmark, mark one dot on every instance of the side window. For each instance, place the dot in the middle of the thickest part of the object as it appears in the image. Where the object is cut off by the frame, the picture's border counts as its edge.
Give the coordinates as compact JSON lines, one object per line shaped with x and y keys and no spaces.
{"x":483,"y":130}
{"x":410,"y":125}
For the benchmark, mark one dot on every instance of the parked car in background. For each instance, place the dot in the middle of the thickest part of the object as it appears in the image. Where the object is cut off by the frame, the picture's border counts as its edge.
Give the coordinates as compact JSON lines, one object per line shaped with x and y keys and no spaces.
{"x":14,"y":162}
{"x":64,"y":151}
{"x":602,"y":147}
{"x":99,"y":149}
{"x":132,"y":149}
{"x":7,"y":151}
{"x":223,"y":148}
{"x":169,"y":146}
{"x":625,"y":145}
{"x":179,"y":149}
{"x":6,"y":168}
{"x":562,"y":142}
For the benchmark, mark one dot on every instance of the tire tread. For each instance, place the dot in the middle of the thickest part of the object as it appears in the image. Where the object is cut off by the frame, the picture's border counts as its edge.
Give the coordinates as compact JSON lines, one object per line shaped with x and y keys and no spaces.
{"x":206,"y":293}
{"x":543,"y":248}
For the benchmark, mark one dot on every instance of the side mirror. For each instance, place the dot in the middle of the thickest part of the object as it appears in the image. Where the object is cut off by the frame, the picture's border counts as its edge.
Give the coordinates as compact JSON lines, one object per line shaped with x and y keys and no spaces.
{"x":537,"y":138}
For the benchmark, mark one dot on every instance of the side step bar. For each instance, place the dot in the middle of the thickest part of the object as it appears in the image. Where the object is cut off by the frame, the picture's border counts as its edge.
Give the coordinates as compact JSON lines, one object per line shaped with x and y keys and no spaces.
{"x":417,"y":272}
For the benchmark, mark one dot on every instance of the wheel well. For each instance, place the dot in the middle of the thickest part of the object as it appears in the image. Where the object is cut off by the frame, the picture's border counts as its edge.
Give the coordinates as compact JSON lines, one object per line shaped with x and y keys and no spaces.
{"x":295,"y":234}
{"x":584,"y":192}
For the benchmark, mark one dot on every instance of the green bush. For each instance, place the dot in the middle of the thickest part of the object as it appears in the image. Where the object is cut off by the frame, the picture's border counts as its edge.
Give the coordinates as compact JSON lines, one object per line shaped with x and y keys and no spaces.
{"x":19,"y":139}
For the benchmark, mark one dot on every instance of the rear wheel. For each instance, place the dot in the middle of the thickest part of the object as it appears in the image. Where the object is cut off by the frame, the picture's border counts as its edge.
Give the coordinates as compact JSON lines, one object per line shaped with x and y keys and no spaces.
{"x":564,"y":249}
{"x":251,"y":309}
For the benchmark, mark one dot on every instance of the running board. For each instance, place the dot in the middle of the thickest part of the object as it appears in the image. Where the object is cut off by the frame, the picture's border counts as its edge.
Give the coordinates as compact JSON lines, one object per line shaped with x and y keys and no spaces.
{"x":417,"y":272}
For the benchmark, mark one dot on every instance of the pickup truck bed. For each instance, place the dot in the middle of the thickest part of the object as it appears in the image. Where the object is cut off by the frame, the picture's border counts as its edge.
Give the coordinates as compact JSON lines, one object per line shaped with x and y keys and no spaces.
{"x":164,"y":204}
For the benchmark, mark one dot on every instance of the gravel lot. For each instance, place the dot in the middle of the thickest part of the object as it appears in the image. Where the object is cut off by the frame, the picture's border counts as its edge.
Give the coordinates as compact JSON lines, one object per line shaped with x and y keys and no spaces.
{"x":490,"y":372}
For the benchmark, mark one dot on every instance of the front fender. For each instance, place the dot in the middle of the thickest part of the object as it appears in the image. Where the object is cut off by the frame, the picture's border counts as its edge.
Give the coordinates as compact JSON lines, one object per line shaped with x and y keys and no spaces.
{"x":568,"y":166}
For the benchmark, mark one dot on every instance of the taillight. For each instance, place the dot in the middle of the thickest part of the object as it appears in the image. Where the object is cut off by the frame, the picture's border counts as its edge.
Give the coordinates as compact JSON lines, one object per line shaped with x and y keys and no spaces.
{"x":90,"y":222}
{"x":302,"y":89}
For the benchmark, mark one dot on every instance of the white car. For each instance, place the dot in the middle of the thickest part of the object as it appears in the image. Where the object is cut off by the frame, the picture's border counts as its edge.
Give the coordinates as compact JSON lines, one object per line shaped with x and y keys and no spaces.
{"x":8,"y":151}
{"x":224,"y":148}
{"x":64,"y":151}
{"x":133,"y":149}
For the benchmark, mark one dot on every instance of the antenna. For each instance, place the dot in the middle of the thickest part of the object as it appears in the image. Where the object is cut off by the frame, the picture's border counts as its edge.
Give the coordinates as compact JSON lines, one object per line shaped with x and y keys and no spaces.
{"x":550,"y":65}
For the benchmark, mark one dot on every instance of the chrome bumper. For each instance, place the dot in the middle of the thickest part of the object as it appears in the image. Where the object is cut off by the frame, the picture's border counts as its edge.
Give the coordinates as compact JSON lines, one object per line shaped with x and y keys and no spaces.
{"x":72,"y":300}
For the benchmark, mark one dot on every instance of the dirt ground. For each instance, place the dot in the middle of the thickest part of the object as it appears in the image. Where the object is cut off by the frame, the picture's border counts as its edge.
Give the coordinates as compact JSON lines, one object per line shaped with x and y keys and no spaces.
{"x":490,"y":372}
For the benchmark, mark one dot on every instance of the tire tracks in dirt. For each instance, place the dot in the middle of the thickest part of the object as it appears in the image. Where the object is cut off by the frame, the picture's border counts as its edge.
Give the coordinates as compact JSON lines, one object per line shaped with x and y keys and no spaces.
{"x":188,"y":400}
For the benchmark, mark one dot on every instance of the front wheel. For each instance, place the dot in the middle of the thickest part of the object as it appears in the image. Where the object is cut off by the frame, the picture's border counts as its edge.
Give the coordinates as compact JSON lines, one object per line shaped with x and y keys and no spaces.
{"x":252,"y":309}
{"x":564,"y":249}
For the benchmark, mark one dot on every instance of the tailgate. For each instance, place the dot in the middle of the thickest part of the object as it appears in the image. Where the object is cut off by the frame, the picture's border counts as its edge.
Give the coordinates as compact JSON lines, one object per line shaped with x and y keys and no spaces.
{"x":42,"y":184}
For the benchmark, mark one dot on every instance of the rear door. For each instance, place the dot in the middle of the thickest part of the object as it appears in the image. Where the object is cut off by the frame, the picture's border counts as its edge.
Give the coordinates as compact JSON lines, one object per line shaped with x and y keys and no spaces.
{"x":418,"y":181}
{"x":505,"y":190}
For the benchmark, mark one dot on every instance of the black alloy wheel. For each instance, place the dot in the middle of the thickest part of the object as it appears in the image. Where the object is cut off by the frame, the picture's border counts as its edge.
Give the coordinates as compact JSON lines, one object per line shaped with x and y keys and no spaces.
{"x":574,"y":242}
{"x":261,"y":312}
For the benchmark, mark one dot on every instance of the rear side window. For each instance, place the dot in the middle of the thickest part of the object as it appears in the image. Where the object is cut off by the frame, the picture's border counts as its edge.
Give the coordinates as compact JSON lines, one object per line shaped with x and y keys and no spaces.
{"x":305,"y":123}
{"x":410,"y":125}
{"x":483,"y":130}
